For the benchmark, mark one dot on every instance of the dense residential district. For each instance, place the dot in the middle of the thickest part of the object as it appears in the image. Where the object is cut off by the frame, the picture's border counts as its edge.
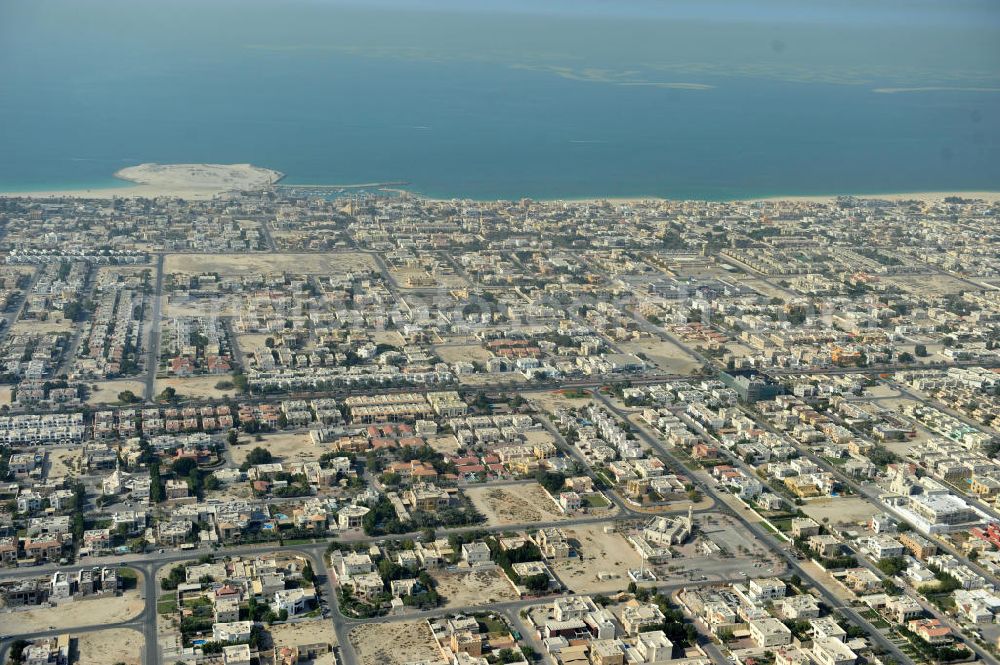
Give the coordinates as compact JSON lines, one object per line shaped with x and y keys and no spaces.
{"x":371,"y":429}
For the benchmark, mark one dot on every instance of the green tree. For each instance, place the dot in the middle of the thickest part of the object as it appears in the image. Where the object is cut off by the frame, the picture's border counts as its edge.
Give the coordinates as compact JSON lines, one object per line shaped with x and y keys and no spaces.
{"x":259,"y":456}
{"x":184,"y":466}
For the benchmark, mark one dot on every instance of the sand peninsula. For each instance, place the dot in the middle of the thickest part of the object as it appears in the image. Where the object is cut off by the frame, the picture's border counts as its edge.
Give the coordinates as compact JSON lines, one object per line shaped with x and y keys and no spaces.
{"x":186,"y":181}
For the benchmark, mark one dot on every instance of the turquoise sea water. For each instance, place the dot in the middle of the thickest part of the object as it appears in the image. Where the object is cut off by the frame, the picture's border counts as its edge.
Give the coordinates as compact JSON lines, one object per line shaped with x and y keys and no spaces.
{"x":714,"y":99}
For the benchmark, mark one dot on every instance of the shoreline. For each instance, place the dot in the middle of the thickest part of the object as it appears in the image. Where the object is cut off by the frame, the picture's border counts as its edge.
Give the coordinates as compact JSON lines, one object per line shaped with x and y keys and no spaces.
{"x":138,"y":183}
{"x":927,"y":196}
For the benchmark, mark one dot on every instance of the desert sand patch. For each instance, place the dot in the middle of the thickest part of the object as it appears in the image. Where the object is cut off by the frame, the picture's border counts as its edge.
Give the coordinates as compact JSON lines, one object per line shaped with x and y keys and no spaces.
{"x":667,"y":356}
{"x":552,"y":401}
{"x":119,"y":645}
{"x":286,"y":447}
{"x":446,"y":444}
{"x":63,"y":462}
{"x":394,"y":643}
{"x":515,"y":504}
{"x":107,"y":391}
{"x":462,"y":353}
{"x":599,"y":555}
{"x":74,"y":614}
{"x":474,"y":588}
{"x":197,"y":386}
{"x":54,"y":324}
{"x":840,"y":510}
{"x":245,"y":264}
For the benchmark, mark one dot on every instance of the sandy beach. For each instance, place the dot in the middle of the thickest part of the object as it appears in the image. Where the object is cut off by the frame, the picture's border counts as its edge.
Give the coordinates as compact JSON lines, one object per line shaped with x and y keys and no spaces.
{"x":204,"y":181}
{"x":822,"y":198}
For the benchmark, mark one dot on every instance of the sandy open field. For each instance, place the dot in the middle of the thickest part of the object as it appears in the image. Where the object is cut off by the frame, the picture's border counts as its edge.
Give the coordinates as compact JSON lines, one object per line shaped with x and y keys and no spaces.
{"x":63,"y":462}
{"x":388,"y":337}
{"x":598,"y":553}
{"x":536,"y":436}
{"x":516,"y":504}
{"x":840,"y":510}
{"x":286,"y":447}
{"x":928,"y":285}
{"x":117,"y":645}
{"x":306,"y":632}
{"x":403,"y":278}
{"x":764,"y":286}
{"x":394,"y":643}
{"x":481,"y":586}
{"x":74,"y":614}
{"x":666,"y":355}
{"x":445,"y":444}
{"x":512,"y":378}
{"x":552,"y":400}
{"x":196,"y":386}
{"x":462,"y":353}
{"x":107,"y":391}
{"x":243,"y":264}
{"x":55,"y":324}
{"x":207,"y":307}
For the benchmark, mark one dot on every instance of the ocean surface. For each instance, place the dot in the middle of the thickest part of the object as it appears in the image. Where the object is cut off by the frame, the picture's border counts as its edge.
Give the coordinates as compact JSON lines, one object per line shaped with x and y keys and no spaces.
{"x":711,"y":99}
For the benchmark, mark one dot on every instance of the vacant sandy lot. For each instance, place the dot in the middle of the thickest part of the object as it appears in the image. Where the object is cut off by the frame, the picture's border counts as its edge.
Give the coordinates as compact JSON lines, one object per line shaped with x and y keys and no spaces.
{"x":388,"y":337}
{"x":516,"y":504}
{"x":553,"y":400}
{"x":62,"y":463}
{"x":6,"y":392}
{"x":207,"y":307}
{"x":119,"y":645}
{"x":462,"y":353}
{"x":445,"y":444}
{"x":766,"y":287}
{"x":76,"y":613}
{"x":598,"y":553}
{"x":476,"y":587}
{"x":394,"y":643}
{"x":306,"y":632}
{"x":55,"y":324}
{"x":403,"y":277}
{"x":244,"y":264}
{"x":929,"y":285}
{"x":197,"y":386}
{"x":489,"y":379}
{"x":840,"y":510}
{"x":286,"y":447}
{"x":107,"y":391}
{"x":666,"y":355}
